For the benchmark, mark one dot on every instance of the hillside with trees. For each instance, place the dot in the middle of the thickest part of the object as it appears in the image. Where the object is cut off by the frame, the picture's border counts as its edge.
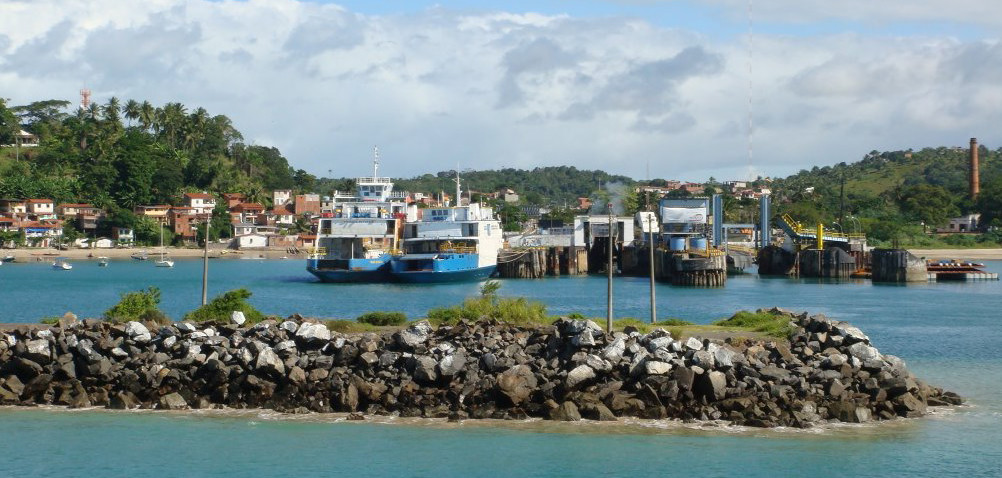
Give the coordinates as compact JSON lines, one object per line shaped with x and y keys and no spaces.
{"x":117,"y":156}
{"x":896,"y":195}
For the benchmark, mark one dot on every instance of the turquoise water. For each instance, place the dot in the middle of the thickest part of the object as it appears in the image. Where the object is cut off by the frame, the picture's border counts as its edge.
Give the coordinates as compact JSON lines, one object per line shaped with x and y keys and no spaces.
{"x":948,"y":333}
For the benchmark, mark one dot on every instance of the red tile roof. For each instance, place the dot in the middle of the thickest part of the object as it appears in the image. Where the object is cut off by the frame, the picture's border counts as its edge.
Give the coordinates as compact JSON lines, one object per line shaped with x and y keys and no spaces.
{"x":199,"y":196}
{"x":39,"y":201}
{"x":75,"y":205}
{"x":247,"y":206}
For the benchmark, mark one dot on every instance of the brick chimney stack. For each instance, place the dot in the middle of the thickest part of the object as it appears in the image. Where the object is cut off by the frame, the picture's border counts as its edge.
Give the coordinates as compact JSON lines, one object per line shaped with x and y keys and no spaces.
{"x":975,"y":182}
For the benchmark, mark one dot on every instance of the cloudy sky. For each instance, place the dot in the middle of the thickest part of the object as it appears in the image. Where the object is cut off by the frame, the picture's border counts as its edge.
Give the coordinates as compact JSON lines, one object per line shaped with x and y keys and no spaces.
{"x":628,"y":86}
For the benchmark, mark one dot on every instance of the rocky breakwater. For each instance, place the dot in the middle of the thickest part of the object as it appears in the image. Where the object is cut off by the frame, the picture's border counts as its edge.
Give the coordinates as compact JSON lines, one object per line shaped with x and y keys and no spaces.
{"x":827,"y":371}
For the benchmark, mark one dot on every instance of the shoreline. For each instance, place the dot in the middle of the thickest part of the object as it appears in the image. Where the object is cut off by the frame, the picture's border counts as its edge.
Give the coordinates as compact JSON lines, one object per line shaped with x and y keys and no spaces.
{"x":48,"y":254}
{"x":623,"y":426}
{"x":959,"y":254}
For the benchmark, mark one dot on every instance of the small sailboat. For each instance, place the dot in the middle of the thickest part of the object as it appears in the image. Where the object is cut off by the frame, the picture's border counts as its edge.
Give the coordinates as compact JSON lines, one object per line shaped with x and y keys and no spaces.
{"x":61,"y":264}
{"x":102,"y":261}
{"x":163,"y":262}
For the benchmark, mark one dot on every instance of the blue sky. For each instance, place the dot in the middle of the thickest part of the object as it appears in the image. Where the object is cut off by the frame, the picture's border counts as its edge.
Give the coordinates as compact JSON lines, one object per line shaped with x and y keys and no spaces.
{"x":594,"y":84}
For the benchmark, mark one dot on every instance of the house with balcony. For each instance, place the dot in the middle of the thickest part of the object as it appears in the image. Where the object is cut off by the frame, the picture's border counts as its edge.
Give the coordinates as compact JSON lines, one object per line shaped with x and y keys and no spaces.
{"x":124,"y":236}
{"x":246,"y":212}
{"x":44,"y":233}
{"x":13,"y":206}
{"x":41,"y":209}
{"x":202,"y":203}
{"x":157,"y":213}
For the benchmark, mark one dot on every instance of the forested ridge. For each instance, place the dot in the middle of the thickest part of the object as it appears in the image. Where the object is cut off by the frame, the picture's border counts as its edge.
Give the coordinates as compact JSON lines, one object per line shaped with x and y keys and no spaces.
{"x":119,"y":155}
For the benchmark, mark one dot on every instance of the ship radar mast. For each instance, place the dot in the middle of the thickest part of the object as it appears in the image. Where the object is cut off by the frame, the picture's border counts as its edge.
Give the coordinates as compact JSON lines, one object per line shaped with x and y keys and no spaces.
{"x":458,"y":192}
{"x":375,"y":161}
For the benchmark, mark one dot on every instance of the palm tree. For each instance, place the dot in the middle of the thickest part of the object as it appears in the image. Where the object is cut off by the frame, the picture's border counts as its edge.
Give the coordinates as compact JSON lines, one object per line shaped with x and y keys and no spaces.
{"x":147,"y":115}
{"x":131,"y":111}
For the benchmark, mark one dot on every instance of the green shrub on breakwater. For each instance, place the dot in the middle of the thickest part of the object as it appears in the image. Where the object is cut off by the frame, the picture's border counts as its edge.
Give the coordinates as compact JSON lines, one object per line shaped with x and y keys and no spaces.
{"x":221,"y":307}
{"x":140,"y":306}
{"x":513,"y":310}
{"x":775,"y":325}
{"x":383,"y":318}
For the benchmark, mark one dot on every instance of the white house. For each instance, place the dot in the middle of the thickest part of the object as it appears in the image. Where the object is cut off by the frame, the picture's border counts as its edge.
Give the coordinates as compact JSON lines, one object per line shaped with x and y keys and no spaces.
{"x":42,"y":208}
{"x":251,"y":241}
{"x":281,"y":197}
{"x":202,"y":203}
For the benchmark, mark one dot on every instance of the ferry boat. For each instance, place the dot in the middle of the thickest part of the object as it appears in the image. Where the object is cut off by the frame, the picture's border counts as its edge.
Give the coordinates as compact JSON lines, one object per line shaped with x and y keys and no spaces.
{"x":359,"y":234}
{"x":450,"y":244}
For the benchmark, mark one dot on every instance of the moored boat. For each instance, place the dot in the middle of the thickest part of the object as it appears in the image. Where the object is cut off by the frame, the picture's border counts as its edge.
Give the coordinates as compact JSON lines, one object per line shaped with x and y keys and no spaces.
{"x":450,"y":244}
{"x":359,"y":235}
{"x":62,"y":264}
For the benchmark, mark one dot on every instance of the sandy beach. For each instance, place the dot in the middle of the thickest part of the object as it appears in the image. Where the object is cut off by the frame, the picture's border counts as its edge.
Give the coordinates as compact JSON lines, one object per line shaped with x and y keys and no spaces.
{"x":35,"y":255}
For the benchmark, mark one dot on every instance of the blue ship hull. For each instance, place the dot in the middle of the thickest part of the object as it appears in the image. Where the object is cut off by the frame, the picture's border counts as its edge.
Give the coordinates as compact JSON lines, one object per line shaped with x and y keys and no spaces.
{"x":430,"y":277}
{"x":443,"y":267}
{"x":351,"y":270}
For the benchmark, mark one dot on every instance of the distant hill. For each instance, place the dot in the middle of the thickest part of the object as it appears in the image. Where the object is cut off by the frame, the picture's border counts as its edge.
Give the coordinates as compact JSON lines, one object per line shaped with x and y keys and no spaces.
{"x":554,"y":185}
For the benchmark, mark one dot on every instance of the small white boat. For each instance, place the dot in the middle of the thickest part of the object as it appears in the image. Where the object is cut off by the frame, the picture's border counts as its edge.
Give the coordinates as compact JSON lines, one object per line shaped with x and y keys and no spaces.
{"x":163,"y":261}
{"x":61,"y":264}
{"x":8,"y":258}
{"x":102,"y":261}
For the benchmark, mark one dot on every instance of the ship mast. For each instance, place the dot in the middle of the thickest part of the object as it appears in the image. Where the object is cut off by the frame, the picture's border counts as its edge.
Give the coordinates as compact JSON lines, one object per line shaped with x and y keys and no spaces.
{"x":375,"y":161}
{"x":458,"y":192}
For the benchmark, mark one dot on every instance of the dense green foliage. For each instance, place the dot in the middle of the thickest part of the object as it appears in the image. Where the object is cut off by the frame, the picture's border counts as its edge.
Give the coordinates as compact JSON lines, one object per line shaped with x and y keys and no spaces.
{"x":140,"y":306}
{"x":383,"y":318}
{"x":153,"y":157}
{"x":895,"y":197}
{"x":512,"y":310}
{"x":775,"y":325}
{"x":221,"y":307}
{"x":554,"y":185}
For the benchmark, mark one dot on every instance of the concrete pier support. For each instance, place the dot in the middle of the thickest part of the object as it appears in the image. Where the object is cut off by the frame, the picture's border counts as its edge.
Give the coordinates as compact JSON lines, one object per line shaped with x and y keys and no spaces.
{"x":897,"y":265}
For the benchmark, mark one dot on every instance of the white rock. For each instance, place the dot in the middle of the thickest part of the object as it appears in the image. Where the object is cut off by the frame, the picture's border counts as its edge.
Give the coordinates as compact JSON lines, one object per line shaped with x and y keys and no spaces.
{"x":290,"y":326}
{"x":118,"y":352}
{"x":578,"y":375}
{"x":692,"y":343}
{"x":169,"y":341}
{"x":660,"y":342}
{"x":311,"y":332}
{"x":209,"y":332}
{"x":237,"y":317}
{"x":864,"y":352}
{"x":185,"y":327}
{"x":657,"y":367}
{"x":268,"y":360}
{"x":137,"y":332}
{"x":44,"y":334}
{"x":38,"y":349}
{"x":614,"y":351}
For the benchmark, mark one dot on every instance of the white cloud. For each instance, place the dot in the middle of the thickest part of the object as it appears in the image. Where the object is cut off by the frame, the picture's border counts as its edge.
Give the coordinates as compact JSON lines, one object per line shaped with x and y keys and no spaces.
{"x":487,"y":90}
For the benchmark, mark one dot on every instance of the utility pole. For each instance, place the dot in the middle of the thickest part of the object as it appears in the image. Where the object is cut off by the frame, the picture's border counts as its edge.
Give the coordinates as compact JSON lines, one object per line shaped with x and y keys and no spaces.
{"x":205,"y":262}
{"x":650,"y":229}
{"x":608,"y":317}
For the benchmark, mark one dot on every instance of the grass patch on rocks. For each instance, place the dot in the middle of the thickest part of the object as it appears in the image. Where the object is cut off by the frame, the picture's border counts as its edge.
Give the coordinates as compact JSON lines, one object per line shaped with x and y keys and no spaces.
{"x":768,"y":323}
{"x":345,"y":326}
{"x":383,"y":318}
{"x":221,"y":306}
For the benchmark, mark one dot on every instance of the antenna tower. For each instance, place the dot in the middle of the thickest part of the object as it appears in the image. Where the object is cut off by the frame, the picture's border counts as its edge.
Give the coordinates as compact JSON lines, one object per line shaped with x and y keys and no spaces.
{"x":375,"y":161}
{"x":84,"y":98}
